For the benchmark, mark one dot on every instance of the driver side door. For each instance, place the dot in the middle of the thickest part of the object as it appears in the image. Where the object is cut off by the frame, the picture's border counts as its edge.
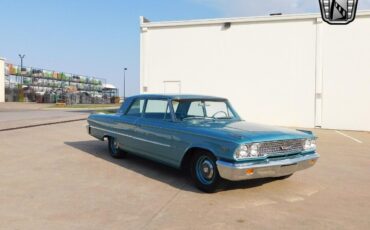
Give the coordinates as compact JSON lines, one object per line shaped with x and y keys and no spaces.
{"x":154,"y":130}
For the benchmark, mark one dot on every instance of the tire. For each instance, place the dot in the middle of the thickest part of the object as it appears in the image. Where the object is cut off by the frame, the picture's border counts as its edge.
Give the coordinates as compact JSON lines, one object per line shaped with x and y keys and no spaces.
{"x":114,"y":149}
{"x":204,"y":173}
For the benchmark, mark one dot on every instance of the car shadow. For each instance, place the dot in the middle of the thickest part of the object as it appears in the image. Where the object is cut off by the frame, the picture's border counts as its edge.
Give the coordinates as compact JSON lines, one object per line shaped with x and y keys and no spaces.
{"x":171,"y":176}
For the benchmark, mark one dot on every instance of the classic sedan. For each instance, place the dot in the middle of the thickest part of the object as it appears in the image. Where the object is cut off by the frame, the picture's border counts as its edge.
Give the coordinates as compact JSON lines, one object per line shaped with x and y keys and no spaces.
{"x":205,"y":136}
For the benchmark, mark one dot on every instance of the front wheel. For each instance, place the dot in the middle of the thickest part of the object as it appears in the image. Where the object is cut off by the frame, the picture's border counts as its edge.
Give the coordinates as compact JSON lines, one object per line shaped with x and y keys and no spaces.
{"x":114,"y":149}
{"x":204,"y":173}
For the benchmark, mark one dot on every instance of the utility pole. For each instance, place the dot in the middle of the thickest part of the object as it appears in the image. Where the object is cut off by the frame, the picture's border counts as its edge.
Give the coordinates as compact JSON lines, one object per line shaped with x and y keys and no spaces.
{"x":21,"y":57}
{"x":124,"y":83}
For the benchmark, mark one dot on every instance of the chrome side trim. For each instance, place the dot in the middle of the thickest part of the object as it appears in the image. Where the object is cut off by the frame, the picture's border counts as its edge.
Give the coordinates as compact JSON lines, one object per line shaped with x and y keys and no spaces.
{"x":129,"y":136}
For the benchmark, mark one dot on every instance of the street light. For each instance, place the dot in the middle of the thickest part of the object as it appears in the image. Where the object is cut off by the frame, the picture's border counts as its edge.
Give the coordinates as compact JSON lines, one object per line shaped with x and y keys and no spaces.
{"x":124,"y":83}
{"x":21,"y":56}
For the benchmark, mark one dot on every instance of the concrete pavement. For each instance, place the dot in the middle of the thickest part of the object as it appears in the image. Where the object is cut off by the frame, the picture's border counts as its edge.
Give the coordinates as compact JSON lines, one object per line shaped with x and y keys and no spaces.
{"x":58,"y":177}
{"x":15,"y":115}
{"x":17,"y":119}
{"x":22,"y":106}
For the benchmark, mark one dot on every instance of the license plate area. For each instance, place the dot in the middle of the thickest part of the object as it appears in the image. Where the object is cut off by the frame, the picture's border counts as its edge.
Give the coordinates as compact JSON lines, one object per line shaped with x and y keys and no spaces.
{"x":288,"y":169}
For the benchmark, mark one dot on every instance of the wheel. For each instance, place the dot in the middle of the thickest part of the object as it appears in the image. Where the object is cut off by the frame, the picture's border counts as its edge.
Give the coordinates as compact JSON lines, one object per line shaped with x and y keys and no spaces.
{"x":114,"y":149}
{"x":204,"y":173}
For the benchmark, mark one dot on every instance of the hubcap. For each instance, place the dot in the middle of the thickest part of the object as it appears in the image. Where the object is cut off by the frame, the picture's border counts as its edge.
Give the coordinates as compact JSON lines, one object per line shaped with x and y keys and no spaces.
{"x":114,"y":145}
{"x":205,"y":170}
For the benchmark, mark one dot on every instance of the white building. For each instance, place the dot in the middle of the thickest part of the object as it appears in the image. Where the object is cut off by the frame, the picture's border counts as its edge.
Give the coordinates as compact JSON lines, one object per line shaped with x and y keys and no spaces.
{"x":289,"y":70}
{"x":2,"y":80}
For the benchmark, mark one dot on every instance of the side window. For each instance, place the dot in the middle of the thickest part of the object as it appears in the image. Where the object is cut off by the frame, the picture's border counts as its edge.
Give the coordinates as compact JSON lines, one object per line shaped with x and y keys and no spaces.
{"x":196,"y":109}
{"x":157,"y":109}
{"x":136,"y":108}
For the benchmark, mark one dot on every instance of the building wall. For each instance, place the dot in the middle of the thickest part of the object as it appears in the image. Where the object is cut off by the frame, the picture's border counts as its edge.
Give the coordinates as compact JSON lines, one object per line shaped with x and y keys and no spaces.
{"x":2,"y":80}
{"x":346,"y":76}
{"x":288,"y":72}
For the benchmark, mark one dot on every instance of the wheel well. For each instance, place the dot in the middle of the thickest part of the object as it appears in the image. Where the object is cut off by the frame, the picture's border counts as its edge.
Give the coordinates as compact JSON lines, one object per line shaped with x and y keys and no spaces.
{"x":185,"y":163}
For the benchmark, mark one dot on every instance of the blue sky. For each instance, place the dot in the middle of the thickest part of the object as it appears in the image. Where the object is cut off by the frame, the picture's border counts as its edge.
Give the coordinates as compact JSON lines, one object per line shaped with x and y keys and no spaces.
{"x":101,"y":37}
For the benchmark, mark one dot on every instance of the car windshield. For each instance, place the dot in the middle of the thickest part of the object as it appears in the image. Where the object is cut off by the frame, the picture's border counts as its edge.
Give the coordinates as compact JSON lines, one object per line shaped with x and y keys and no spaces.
{"x":202,"y":109}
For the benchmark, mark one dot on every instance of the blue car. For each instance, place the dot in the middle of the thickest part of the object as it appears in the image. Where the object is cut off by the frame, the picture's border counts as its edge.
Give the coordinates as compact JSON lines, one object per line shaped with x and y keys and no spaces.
{"x":205,"y":136}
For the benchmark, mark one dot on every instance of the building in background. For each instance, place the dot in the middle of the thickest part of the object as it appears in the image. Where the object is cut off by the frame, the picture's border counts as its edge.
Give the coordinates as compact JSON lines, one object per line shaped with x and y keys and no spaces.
{"x":288,"y":70}
{"x":2,"y":79}
{"x":25,"y":84}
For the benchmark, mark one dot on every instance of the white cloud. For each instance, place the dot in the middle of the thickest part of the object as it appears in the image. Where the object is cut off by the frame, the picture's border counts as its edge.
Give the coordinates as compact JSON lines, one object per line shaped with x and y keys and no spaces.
{"x":265,"y":7}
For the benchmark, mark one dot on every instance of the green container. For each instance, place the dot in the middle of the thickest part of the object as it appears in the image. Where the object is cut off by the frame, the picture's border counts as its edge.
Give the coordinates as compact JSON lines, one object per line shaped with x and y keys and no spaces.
{"x":68,"y":77}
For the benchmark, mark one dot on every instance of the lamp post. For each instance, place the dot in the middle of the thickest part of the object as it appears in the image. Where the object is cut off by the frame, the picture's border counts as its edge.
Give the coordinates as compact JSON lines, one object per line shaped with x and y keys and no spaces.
{"x":124,"y":83}
{"x":21,"y":56}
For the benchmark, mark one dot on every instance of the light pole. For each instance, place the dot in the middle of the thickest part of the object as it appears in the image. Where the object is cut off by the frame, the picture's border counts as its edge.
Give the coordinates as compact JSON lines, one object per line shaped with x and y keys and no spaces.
{"x":21,"y":56}
{"x":124,"y":83}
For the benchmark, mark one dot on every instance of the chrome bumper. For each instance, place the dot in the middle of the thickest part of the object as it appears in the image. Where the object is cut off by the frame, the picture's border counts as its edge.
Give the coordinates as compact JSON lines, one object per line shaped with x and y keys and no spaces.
{"x":268,"y":168}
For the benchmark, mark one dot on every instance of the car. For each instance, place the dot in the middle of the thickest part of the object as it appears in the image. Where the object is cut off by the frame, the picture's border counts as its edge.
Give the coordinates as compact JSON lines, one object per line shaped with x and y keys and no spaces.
{"x":205,"y":136}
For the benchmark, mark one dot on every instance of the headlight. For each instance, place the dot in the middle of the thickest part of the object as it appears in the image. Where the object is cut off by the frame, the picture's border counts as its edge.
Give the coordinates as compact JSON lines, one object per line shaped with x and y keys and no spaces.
{"x":243,"y":151}
{"x":248,"y":151}
{"x":309,"y":145}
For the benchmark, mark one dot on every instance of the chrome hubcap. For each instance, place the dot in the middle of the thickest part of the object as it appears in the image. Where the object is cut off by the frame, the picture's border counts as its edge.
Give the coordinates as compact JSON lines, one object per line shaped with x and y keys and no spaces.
{"x":207,"y":169}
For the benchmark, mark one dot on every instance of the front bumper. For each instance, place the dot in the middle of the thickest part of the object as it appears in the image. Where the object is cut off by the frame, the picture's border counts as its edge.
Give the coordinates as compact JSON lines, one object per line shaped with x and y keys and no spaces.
{"x":267,"y":168}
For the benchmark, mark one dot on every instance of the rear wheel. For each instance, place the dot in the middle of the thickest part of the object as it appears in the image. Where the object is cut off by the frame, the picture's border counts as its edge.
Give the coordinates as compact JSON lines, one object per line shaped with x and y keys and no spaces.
{"x":114,"y":149}
{"x":204,"y":173}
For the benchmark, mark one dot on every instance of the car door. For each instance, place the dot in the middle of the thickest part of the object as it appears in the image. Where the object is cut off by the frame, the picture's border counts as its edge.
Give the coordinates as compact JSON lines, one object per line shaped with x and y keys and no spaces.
{"x":154,"y":130}
{"x":126,"y":126}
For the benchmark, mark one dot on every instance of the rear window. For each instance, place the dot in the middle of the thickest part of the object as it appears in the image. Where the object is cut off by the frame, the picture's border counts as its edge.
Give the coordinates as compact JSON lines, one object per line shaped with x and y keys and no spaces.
{"x":136,"y":108}
{"x":157,"y":109}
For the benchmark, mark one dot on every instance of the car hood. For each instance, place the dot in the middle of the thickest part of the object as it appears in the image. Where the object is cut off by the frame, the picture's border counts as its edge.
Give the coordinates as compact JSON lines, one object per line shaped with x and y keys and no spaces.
{"x":243,"y":131}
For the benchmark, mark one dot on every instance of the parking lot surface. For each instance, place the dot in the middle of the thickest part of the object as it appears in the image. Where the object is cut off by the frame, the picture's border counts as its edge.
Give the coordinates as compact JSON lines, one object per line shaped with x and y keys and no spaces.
{"x":14,"y":115}
{"x":58,"y":177}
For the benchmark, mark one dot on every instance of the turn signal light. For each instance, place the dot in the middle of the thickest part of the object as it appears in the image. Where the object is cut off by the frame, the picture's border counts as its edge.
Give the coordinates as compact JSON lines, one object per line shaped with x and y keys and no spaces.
{"x":249,"y":171}
{"x":312,"y":162}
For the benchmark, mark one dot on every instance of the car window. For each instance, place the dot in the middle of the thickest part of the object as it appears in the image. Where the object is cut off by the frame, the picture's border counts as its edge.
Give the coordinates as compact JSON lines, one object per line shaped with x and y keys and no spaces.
{"x":218,"y":109}
{"x":136,"y":108}
{"x":196,"y":109}
{"x":157,"y":109}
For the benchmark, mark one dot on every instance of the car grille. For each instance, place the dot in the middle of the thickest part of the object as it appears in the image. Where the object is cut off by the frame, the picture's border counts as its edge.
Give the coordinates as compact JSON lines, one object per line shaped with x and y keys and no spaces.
{"x":272,"y":148}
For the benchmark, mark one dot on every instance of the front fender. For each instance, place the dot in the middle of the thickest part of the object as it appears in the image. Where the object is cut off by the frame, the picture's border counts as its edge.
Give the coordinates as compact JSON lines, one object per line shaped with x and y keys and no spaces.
{"x":221,"y":149}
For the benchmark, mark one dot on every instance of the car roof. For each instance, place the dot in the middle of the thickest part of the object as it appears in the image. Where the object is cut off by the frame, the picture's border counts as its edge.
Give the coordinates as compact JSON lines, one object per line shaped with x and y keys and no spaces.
{"x":177,"y":97}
